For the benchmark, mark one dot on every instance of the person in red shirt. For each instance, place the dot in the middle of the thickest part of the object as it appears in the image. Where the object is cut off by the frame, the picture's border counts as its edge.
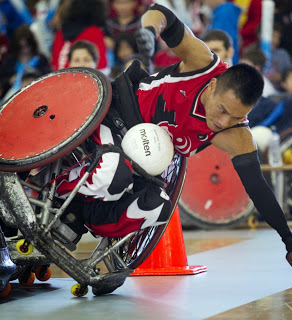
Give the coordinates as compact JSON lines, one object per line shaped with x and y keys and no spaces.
{"x":248,"y":32}
{"x":82,"y":22}
{"x":164,"y":57}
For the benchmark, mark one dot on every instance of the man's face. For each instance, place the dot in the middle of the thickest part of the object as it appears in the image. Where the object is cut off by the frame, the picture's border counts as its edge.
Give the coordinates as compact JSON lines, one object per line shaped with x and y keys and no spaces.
{"x":82,"y":58}
{"x":217,"y":46}
{"x":223,"y":109}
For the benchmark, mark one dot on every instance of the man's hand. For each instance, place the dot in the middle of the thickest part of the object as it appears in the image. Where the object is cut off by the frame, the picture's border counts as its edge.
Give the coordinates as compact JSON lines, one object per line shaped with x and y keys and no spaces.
{"x":145,"y":38}
{"x":288,"y":244}
{"x":289,"y":258}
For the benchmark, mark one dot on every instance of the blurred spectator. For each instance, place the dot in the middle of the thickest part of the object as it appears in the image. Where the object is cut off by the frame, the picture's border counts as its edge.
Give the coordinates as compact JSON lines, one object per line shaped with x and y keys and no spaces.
{"x":4,"y":47}
{"x":261,"y":111}
{"x":11,"y":19}
{"x":82,"y":21}
{"x":283,"y":16}
{"x":83,"y":54}
{"x":225,"y":16}
{"x":243,"y":5}
{"x":281,"y":116}
{"x":29,"y":76}
{"x":197,"y":17}
{"x":280,"y":58}
{"x":220,"y":43}
{"x":59,"y":16}
{"x":44,"y":11}
{"x":133,"y":57}
{"x":164,"y":57}
{"x":116,"y":70}
{"x":249,"y":28}
{"x":257,"y":59}
{"x":23,"y":56}
{"x":125,"y":46}
{"x":143,"y":5}
{"x":286,"y":81}
{"x":181,"y":8}
{"x":126,"y":19}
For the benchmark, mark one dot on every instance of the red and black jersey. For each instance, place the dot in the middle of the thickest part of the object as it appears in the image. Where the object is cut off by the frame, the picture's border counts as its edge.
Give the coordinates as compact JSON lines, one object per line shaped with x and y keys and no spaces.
{"x":172,"y":100}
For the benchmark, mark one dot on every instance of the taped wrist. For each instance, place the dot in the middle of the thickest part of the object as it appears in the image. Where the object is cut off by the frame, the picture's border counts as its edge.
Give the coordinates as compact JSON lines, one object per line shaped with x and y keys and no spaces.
{"x":249,"y":170}
{"x":174,"y":31}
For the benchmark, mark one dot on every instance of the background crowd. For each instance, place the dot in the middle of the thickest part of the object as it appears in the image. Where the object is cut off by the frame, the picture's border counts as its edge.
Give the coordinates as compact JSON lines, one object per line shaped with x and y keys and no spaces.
{"x":40,"y":36}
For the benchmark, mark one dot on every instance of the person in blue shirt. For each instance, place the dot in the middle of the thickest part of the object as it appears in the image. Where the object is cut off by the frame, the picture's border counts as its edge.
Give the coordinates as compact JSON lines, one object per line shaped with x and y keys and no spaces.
{"x":225,"y":16}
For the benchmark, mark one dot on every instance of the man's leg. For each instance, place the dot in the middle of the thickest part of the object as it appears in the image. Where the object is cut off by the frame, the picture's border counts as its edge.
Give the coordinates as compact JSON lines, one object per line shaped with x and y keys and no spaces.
{"x":149,"y":206}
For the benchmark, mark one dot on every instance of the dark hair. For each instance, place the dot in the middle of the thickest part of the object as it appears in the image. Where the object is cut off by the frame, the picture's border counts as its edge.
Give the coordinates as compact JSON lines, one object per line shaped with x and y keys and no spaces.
{"x":83,"y":44}
{"x":23,"y":33}
{"x":129,"y":38}
{"x":219,"y":35}
{"x":246,"y":82}
{"x":255,"y":56}
{"x":30,"y":73}
{"x":86,"y":13}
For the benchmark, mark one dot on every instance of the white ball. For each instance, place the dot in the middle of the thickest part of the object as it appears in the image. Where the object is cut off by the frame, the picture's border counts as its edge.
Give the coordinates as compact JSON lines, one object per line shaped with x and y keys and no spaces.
{"x":149,"y":146}
{"x":262,"y":136}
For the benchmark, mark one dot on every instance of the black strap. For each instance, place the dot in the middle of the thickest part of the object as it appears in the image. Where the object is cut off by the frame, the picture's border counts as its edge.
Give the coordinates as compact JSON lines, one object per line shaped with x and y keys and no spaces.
{"x":125,"y":102}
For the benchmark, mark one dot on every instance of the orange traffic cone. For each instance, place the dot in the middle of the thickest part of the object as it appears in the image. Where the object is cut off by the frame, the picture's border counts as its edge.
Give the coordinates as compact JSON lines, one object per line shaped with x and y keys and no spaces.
{"x":169,"y":256}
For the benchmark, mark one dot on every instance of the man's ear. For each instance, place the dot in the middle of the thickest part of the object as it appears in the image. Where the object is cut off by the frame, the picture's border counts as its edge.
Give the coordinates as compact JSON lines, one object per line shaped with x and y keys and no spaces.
{"x":213,"y":84}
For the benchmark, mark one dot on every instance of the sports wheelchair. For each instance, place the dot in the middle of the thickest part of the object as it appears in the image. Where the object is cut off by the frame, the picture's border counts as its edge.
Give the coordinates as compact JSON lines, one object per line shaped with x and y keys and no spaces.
{"x":45,"y":125}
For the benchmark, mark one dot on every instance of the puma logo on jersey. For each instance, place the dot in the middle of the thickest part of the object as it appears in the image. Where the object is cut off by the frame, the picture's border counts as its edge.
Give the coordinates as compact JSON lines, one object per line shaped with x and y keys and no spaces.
{"x":183,"y":93}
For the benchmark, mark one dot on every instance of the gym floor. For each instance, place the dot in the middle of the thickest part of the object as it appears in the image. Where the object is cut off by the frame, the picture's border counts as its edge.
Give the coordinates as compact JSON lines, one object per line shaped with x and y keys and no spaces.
{"x":248,"y":277}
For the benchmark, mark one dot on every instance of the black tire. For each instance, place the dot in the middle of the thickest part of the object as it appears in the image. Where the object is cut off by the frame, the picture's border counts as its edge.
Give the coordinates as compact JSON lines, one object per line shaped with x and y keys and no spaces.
{"x":191,"y":221}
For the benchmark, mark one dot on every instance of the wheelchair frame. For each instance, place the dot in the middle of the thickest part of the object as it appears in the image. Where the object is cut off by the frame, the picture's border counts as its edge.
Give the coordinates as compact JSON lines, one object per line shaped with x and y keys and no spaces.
{"x":40,"y":224}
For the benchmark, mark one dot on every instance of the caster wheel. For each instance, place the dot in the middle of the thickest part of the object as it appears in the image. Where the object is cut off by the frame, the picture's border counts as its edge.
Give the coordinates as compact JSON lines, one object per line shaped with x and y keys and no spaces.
{"x":6,"y":291}
{"x":24,"y":247}
{"x":43,"y":273}
{"x":27,"y":281}
{"x":78,"y":291}
{"x":253,"y":221}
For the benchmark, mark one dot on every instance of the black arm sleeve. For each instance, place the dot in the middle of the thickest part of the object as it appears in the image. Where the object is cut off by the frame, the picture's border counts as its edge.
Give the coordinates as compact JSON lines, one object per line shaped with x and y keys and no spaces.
{"x":249,"y":171}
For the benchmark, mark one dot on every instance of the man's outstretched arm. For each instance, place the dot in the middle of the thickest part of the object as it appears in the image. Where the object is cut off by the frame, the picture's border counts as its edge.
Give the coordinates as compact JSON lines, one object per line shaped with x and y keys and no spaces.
{"x":238,"y":142}
{"x":160,"y":21}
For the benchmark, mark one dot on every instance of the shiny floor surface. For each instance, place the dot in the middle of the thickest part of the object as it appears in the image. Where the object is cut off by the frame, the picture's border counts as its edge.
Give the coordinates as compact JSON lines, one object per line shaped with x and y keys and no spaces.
{"x":247,"y":278}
